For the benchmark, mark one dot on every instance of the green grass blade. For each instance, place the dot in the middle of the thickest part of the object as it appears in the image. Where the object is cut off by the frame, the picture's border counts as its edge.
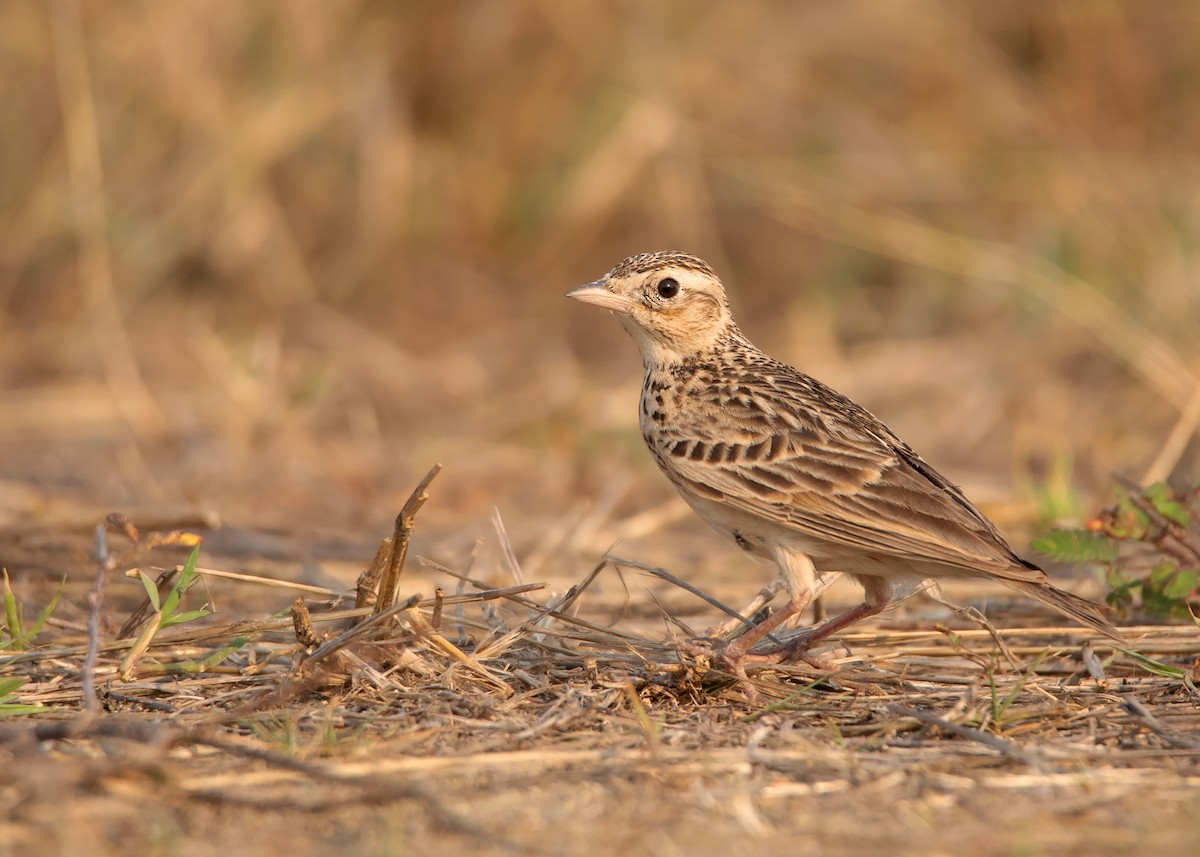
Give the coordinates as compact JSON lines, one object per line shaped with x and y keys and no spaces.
{"x":151,"y":589}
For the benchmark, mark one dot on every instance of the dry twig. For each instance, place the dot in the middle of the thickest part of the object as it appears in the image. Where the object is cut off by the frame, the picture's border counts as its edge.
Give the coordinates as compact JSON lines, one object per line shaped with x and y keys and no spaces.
{"x":405,"y":521}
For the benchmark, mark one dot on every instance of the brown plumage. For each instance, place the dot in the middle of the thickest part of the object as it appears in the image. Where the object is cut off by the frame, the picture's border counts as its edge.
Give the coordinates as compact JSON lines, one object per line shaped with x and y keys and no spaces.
{"x":790,"y":469}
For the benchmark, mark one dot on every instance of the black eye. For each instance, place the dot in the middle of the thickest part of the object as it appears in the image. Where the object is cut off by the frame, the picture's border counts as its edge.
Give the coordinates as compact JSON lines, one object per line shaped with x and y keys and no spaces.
{"x":668,"y":288}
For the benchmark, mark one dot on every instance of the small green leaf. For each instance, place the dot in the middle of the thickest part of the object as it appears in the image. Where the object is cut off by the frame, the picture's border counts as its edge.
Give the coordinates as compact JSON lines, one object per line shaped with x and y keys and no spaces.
{"x":192,"y":667}
{"x":1183,"y":584}
{"x":180,"y":618}
{"x":12,"y":615}
{"x":1155,"y":667}
{"x":1131,"y":522}
{"x":151,"y":588}
{"x":19,"y":709}
{"x":187,"y":577}
{"x":1162,"y":573}
{"x":1164,"y":502}
{"x":9,"y":707}
{"x":8,"y":685}
{"x":44,"y":616}
{"x":1076,"y":546}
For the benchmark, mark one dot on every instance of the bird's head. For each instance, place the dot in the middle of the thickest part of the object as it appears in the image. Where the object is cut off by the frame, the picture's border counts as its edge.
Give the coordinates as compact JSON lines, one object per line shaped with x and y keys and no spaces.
{"x":672,"y":304}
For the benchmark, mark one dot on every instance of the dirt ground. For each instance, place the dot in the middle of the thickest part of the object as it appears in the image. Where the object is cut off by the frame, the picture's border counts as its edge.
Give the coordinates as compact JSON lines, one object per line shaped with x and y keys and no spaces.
{"x":265,"y":265}
{"x":505,"y":728}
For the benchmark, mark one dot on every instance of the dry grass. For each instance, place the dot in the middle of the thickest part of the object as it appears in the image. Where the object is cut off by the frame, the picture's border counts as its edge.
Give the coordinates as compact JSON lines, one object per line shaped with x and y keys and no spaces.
{"x":499,"y":719}
{"x":262,"y":263}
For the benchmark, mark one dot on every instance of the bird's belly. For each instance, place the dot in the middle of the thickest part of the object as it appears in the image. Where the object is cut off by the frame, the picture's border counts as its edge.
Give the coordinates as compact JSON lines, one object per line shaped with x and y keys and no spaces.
{"x":761,"y":538}
{"x":751,"y":533}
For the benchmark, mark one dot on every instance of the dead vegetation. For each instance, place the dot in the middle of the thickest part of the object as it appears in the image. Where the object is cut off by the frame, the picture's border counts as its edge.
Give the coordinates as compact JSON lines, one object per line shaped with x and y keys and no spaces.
{"x":453,"y":707}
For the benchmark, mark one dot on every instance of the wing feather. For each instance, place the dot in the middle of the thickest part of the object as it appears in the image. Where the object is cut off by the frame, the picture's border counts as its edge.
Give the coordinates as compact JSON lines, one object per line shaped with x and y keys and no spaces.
{"x":791,"y":450}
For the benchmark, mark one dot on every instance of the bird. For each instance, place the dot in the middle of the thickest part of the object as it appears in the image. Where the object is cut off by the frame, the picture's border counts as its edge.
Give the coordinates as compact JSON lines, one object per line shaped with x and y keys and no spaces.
{"x":791,"y":470}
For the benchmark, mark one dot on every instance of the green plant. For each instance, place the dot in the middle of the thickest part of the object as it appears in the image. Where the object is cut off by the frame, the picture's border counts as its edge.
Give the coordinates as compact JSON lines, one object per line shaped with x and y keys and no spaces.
{"x":1154,"y":667}
{"x":18,"y":635}
{"x":9,"y":707}
{"x":166,"y":611}
{"x":1148,"y":544}
{"x":169,"y":607}
{"x":1000,"y":705}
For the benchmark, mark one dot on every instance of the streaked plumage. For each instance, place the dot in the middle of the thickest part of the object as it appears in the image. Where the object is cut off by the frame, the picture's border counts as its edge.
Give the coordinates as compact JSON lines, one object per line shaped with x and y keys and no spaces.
{"x":790,"y":469}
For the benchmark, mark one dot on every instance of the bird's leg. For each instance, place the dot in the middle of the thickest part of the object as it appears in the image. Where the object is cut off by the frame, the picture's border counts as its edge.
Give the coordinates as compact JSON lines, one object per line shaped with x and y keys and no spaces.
{"x":799,"y":577}
{"x":735,"y":654}
{"x":737,"y":651}
{"x":878,"y":594}
{"x":763,"y":597}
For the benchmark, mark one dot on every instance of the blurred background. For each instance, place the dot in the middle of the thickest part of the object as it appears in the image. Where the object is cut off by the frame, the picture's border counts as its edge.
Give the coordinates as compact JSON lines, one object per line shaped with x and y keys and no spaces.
{"x":270,"y":261}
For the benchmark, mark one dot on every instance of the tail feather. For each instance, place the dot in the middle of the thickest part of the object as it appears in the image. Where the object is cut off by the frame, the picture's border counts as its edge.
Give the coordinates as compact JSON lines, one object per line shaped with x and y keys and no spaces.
{"x":1080,"y":609}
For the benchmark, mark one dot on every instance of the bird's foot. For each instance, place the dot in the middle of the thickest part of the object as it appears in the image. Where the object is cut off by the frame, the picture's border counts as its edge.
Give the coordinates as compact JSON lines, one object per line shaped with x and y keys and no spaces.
{"x":725,"y":653}
{"x":797,"y":649}
{"x":734,"y":657}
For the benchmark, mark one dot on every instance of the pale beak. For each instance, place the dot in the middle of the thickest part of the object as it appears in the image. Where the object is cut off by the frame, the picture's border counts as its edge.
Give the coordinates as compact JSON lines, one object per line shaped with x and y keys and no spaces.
{"x":597,"y":293}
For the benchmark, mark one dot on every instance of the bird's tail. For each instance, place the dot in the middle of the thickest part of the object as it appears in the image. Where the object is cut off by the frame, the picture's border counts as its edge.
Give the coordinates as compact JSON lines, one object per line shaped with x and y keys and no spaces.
{"x":1080,"y":609}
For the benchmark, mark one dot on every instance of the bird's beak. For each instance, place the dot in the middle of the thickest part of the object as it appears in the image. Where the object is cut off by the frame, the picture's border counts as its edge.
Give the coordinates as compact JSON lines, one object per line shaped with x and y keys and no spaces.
{"x":597,"y":293}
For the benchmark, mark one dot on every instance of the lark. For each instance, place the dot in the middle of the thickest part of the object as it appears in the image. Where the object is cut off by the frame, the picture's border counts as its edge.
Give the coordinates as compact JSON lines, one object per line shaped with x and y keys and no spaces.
{"x":791,"y":470}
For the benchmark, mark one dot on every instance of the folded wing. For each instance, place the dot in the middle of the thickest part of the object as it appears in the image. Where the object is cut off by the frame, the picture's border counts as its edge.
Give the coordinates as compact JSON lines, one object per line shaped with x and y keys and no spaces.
{"x":835,"y":474}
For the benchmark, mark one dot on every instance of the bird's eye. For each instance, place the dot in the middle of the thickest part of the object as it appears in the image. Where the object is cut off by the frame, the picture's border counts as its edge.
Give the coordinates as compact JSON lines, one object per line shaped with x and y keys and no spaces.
{"x":668,"y":288}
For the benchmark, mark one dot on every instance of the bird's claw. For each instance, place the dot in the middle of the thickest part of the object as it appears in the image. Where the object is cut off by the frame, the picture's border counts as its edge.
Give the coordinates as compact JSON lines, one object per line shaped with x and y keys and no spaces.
{"x":796,"y":649}
{"x":731,"y":656}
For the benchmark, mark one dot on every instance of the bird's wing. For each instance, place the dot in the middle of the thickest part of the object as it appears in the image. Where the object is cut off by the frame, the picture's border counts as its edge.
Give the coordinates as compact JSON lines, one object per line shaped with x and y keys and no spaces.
{"x":797,"y":453}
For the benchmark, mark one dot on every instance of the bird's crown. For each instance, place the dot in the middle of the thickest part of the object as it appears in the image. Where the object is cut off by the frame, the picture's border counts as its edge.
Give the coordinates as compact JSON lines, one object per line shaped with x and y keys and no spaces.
{"x":643,"y":262}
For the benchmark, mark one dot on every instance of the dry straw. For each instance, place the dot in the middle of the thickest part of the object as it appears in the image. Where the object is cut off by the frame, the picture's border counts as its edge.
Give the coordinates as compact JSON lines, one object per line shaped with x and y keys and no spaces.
{"x":537,"y":690}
